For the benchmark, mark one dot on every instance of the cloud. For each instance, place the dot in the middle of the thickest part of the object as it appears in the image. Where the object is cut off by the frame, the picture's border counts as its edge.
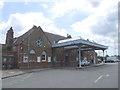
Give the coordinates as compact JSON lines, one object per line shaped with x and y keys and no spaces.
{"x":101,"y":25}
{"x":64,"y":6}
{"x":23,"y":22}
{"x":44,"y":6}
{"x":95,"y":4}
{"x":1,"y":4}
{"x":102,"y":22}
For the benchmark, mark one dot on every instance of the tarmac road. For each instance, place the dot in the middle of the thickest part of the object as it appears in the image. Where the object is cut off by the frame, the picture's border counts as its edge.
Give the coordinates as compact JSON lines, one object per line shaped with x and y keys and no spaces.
{"x":105,"y":76}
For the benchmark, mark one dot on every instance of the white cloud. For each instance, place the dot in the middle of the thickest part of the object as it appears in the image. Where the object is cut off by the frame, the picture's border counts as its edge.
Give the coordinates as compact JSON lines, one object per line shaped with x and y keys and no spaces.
{"x":101,"y":25}
{"x":23,"y":22}
{"x":53,"y":29}
{"x":45,"y":6}
{"x":1,"y":4}
{"x":62,"y":7}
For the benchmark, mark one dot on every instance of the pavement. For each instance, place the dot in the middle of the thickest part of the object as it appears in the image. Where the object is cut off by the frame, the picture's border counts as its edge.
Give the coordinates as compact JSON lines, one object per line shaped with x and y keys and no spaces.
{"x":17,"y":72}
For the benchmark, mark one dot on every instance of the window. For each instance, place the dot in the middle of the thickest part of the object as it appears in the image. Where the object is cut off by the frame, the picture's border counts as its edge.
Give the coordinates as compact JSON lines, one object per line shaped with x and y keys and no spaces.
{"x":49,"y":59}
{"x":77,"y":59}
{"x":5,"y":59}
{"x":32,"y":56}
{"x":14,"y":48}
{"x":32,"y":51}
{"x":9,"y":59}
{"x":38,"y":59}
{"x":54,"y":59}
{"x":43,"y":56}
{"x":25,"y":59}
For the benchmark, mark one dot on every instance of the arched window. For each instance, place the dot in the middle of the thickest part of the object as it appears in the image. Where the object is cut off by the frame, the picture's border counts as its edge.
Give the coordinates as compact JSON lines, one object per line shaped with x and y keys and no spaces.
{"x":32,"y":57}
{"x":32,"y":51}
{"x":43,"y":56}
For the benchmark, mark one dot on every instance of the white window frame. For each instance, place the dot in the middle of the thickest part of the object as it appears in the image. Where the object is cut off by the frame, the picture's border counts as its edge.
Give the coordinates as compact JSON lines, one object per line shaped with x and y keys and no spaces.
{"x":43,"y":53}
{"x":49,"y":59}
{"x":38,"y":59}
{"x":25,"y":61}
{"x":4,"y":59}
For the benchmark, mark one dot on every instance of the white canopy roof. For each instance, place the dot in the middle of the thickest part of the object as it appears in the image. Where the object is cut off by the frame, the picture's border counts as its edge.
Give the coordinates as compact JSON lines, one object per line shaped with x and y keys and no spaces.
{"x":78,"y":41}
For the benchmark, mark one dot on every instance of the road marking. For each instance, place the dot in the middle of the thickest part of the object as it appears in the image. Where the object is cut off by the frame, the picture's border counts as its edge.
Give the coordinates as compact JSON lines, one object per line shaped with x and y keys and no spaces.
{"x":98,"y":79}
{"x":26,"y":77}
{"x":107,"y":75}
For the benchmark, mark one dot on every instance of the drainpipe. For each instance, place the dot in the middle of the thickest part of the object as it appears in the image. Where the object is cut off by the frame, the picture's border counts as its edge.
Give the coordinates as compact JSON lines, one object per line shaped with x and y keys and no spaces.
{"x":19,"y":63}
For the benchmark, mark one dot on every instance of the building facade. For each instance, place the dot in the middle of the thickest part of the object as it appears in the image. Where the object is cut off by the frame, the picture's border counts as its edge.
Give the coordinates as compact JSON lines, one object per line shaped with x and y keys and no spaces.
{"x":34,"y":49}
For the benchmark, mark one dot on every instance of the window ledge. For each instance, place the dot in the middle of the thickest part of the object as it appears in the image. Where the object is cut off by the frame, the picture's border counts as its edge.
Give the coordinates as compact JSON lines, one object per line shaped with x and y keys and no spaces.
{"x":43,"y":60}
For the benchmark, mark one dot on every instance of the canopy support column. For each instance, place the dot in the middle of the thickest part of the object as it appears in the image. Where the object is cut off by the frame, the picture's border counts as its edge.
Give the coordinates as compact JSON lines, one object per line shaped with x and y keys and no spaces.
{"x":103,"y":57}
{"x":79,"y":56}
{"x":94,"y":55}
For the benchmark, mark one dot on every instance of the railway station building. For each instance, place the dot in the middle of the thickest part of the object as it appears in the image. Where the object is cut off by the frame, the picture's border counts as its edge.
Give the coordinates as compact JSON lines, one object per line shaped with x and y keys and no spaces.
{"x":39,"y":49}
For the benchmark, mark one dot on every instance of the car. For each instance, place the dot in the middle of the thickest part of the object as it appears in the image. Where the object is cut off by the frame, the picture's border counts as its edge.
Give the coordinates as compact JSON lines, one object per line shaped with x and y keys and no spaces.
{"x":99,"y":61}
{"x":85,"y":63}
{"x":110,"y":60}
{"x":117,"y":60}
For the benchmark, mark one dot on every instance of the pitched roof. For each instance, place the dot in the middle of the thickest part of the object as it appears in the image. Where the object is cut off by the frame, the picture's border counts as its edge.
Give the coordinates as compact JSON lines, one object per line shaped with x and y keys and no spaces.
{"x":21,"y":38}
{"x":54,"y":37}
{"x":51,"y":37}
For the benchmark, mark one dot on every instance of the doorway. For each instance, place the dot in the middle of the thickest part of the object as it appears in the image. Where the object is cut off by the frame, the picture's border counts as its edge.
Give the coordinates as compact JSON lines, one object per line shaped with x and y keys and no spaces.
{"x":66,"y":61}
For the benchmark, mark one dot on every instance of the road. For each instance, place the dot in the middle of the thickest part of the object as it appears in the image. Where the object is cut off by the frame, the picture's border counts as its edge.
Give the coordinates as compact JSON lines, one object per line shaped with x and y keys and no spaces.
{"x":105,"y":76}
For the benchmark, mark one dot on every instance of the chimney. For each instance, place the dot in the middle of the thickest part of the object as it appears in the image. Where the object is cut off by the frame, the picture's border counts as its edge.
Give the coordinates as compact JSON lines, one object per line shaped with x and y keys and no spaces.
{"x":34,"y":27}
{"x":69,"y":36}
{"x":9,"y":36}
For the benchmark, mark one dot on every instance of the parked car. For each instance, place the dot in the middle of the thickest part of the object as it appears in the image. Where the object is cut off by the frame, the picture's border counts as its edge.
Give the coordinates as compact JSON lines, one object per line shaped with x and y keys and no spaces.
{"x":85,"y":63}
{"x":99,"y":61}
{"x":117,"y":60}
{"x":110,"y":60}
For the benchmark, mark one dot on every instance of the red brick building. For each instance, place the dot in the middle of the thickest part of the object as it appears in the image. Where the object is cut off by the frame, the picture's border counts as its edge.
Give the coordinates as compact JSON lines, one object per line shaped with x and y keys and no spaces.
{"x":36,"y":49}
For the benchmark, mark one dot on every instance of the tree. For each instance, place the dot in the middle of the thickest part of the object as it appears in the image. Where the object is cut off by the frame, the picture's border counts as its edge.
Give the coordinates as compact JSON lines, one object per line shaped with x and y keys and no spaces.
{"x":107,"y":55}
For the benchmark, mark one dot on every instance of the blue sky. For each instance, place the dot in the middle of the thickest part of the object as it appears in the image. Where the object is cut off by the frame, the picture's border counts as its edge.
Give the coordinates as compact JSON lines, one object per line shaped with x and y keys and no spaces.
{"x":91,"y":19}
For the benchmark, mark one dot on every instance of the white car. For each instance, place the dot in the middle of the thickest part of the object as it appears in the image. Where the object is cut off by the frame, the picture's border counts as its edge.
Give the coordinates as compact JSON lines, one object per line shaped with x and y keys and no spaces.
{"x":117,"y":60}
{"x":85,"y":62}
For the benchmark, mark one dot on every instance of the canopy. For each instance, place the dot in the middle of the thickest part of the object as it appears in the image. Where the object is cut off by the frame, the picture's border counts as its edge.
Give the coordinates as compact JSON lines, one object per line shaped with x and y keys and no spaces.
{"x":76,"y":42}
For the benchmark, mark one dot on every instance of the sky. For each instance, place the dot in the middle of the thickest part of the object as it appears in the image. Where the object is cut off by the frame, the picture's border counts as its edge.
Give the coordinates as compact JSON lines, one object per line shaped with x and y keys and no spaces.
{"x":96,"y":20}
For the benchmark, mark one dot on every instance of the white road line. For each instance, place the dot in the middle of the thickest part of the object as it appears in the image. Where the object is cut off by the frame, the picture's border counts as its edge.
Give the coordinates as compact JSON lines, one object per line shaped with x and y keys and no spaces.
{"x":107,"y":75}
{"x":26,"y":77}
{"x":98,"y":79}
